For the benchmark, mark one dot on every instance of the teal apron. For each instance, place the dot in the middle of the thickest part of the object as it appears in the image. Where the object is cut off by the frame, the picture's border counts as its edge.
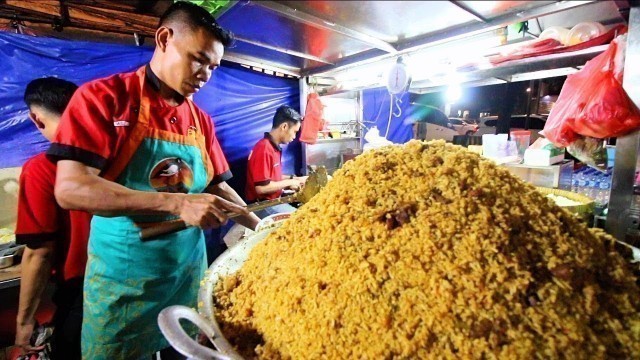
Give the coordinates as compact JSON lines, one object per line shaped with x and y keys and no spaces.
{"x":128,"y":281}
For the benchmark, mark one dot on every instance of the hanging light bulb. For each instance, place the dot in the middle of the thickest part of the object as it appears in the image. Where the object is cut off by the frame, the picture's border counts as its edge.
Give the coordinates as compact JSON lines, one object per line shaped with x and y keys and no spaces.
{"x":453,"y":93}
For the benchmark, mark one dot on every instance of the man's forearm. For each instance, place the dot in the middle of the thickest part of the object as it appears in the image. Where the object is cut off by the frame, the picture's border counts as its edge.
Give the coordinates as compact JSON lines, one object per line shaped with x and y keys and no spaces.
{"x":272,"y":187}
{"x":36,"y":269}
{"x":289,"y":177}
{"x":82,"y":189}
{"x":226,"y":192}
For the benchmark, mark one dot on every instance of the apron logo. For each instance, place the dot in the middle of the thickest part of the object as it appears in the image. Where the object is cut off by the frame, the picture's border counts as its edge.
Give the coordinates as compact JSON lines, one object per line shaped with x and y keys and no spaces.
{"x":120,"y":123}
{"x":171,"y":175}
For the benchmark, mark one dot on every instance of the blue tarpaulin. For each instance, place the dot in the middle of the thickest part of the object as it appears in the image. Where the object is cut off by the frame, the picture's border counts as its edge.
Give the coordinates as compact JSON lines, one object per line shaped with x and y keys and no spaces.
{"x":241,"y":101}
{"x":376,"y":113}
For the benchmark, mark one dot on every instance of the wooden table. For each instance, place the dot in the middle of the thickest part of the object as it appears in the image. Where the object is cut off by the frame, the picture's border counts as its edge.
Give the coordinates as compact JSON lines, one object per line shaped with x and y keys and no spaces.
{"x":10,"y":276}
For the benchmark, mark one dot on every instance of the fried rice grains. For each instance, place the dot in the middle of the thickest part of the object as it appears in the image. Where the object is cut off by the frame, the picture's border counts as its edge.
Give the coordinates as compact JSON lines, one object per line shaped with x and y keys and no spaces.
{"x":429,"y":251}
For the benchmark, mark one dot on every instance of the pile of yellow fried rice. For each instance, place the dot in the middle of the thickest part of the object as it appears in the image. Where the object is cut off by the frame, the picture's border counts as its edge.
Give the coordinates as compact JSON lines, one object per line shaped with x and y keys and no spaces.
{"x":429,"y":251}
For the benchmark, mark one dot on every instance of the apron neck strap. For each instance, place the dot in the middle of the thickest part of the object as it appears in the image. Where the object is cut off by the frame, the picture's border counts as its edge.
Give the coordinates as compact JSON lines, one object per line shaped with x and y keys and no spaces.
{"x":144,"y":111}
{"x":194,"y":114}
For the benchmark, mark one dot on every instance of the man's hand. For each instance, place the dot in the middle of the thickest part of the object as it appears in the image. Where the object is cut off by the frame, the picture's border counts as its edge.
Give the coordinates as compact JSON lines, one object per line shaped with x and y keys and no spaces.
{"x":301,"y":179}
{"x":36,"y":270}
{"x":294,"y":184}
{"x":208,"y":211}
{"x":297,"y":183}
{"x":23,"y":337}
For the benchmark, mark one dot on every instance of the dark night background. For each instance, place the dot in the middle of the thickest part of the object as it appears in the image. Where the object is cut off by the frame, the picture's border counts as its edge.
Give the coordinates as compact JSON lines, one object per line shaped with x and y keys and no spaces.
{"x":488,"y":99}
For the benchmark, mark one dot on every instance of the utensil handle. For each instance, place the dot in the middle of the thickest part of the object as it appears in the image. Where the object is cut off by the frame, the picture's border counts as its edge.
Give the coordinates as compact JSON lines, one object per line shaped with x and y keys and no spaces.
{"x":169,"y":323}
{"x":269,"y":203}
{"x":169,"y":227}
{"x":163,"y":228}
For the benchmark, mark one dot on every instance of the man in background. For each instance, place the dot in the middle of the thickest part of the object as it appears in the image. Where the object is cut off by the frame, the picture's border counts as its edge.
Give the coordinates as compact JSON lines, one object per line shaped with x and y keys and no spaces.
{"x":55,"y":239}
{"x":265,"y":180}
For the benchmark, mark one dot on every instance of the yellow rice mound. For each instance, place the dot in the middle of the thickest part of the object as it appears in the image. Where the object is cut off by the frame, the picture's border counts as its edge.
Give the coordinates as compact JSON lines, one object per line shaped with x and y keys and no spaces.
{"x":429,"y":251}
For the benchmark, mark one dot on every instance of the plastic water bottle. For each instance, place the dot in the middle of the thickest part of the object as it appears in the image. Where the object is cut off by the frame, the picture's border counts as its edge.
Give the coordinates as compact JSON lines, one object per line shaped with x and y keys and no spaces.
{"x":582,"y":183}
{"x":574,"y":180}
{"x":574,"y":184}
{"x":592,"y":188}
{"x":604,"y":190}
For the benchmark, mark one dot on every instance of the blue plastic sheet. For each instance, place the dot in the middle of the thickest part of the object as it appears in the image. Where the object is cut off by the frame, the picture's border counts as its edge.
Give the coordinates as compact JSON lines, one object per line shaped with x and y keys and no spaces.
{"x":24,"y":58}
{"x":376,"y":113}
{"x":241,"y":101}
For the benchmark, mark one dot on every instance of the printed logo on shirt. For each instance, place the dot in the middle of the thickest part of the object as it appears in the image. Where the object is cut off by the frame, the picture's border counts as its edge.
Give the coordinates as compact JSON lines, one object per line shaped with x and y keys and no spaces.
{"x":171,"y":175}
{"x":276,"y":165}
{"x":120,"y":123}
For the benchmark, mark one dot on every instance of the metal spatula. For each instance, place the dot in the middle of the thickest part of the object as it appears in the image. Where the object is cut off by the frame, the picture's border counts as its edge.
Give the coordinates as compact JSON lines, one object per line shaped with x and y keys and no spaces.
{"x":316,"y":181}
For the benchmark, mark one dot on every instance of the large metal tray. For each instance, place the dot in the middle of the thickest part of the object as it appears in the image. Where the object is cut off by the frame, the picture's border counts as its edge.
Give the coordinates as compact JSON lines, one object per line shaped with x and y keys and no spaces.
{"x":169,"y":319}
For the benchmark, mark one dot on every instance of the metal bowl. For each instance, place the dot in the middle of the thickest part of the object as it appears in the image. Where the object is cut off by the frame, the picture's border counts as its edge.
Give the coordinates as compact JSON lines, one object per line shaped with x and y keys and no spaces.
{"x":6,"y":261}
{"x":7,"y":238}
{"x":7,"y":244}
{"x":8,"y":255}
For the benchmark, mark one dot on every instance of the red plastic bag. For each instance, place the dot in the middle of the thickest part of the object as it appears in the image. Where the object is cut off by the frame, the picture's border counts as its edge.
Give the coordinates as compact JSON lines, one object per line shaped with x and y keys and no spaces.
{"x":313,"y":122}
{"x":593,"y":103}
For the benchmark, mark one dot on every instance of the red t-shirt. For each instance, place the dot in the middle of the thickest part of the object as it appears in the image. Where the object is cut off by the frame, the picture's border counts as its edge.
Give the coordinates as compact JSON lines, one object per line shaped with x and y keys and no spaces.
{"x":41,"y":219}
{"x":264,"y":166}
{"x":101,"y":114}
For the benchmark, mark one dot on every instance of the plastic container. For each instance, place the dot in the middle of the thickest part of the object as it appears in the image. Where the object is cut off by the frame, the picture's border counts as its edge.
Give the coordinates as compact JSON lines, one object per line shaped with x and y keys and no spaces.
{"x":557,"y":33}
{"x":584,"y":209}
{"x":611,"y":155}
{"x":522,"y":139}
{"x":584,"y":31}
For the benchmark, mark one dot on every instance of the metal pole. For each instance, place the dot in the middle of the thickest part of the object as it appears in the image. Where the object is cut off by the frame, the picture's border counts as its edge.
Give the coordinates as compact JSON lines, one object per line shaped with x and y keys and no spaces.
{"x":360,"y":120}
{"x":304,"y":91}
{"x":539,"y":96}
{"x":621,"y":218}
{"x":506,"y":109}
{"x":527,"y":121}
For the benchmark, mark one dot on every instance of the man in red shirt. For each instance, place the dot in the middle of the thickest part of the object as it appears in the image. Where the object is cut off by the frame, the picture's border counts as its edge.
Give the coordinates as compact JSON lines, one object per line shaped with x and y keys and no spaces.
{"x":55,"y":238}
{"x":265,"y":180}
{"x":134,"y":150}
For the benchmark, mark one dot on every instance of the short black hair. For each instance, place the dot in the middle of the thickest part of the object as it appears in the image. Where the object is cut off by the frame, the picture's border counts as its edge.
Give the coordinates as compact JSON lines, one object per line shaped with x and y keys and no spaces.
{"x":51,"y":93}
{"x":196,"y":17}
{"x":286,"y":114}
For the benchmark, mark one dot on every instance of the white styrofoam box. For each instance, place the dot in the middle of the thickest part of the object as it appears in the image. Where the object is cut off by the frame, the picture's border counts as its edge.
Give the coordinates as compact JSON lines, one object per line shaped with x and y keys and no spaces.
{"x":541,"y":157}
